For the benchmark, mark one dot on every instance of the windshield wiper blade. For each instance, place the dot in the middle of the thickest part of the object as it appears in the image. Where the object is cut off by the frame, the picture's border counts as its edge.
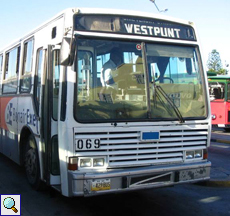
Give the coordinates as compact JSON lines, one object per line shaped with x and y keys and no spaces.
{"x":159,"y":97}
{"x":176,"y":110}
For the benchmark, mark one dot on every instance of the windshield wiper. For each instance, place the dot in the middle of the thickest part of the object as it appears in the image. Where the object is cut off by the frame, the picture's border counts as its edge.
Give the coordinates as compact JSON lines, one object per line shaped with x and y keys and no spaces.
{"x":176,"y":110}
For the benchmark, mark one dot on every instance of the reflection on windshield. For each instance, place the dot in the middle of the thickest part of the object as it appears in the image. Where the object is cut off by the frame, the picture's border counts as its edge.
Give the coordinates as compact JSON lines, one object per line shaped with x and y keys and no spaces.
{"x":175,"y":69}
{"x":117,"y":82}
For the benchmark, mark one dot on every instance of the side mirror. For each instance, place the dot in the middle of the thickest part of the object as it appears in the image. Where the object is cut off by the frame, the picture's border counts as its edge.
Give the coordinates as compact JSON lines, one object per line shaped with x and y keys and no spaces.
{"x":67,"y":51}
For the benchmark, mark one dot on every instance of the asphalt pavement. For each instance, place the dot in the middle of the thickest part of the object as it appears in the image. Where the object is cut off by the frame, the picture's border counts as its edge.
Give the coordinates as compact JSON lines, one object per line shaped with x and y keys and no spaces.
{"x":220,"y":176}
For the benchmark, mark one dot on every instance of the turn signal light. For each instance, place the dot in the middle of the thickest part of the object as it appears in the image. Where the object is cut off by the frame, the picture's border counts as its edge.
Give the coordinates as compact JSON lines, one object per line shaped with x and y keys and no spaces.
{"x":72,"y":165}
{"x":205,"y":154}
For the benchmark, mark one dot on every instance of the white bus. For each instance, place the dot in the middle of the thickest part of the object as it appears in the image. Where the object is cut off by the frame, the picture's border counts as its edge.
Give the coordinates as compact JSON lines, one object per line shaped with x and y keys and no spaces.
{"x":84,"y":125}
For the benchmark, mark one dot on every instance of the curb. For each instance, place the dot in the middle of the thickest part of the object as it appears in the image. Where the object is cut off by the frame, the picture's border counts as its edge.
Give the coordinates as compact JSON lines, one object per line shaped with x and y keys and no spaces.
{"x":220,"y":141}
{"x":215,"y":183}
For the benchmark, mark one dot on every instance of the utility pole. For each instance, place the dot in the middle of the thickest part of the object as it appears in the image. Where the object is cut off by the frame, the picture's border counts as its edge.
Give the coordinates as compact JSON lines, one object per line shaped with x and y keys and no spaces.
{"x":153,"y":1}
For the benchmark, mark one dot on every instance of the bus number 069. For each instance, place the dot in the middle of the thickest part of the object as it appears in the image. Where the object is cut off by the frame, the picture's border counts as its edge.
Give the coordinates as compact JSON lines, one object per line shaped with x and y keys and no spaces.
{"x":87,"y":144}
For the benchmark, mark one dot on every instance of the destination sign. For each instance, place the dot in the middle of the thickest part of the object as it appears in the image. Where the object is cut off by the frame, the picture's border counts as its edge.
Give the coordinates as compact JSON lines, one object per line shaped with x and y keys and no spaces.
{"x":134,"y":26}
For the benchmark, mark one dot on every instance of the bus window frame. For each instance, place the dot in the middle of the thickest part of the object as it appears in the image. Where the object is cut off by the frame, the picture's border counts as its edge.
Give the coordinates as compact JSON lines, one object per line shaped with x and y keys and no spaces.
{"x":7,"y":80}
{"x":228,"y":91}
{"x":1,"y":57}
{"x":1,"y":71}
{"x":27,"y":57}
{"x":55,"y":53}
{"x":222,"y":82}
{"x":37,"y":101}
{"x":1,"y":63}
{"x":63,"y":95}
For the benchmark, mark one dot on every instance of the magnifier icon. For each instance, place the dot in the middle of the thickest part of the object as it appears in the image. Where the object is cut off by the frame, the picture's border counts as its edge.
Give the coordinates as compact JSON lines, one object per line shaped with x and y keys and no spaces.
{"x":9,"y":203}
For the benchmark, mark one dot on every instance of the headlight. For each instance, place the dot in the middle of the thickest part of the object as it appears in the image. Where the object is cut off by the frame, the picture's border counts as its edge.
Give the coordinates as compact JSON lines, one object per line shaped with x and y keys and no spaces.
{"x":76,"y":163}
{"x":85,"y":162}
{"x":198,"y":154}
{"x":195,"y":154}
{"x":213,"y":116}
{"x":98,"y":162}
{"x":92,"y":162}
{"x":189,"y":154}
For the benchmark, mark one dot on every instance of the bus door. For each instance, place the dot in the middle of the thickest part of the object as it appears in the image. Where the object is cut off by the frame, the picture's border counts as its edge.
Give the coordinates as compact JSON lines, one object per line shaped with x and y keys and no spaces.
{"x":49,"y":117}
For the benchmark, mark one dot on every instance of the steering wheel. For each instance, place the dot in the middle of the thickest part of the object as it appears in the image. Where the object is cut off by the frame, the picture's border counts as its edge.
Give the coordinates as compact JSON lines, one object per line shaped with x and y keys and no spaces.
{"x":165,"y":78}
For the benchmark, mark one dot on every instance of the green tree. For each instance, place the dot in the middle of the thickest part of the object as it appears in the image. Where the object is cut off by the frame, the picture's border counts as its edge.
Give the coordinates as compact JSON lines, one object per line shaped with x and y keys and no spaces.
{"x":214,"y":63}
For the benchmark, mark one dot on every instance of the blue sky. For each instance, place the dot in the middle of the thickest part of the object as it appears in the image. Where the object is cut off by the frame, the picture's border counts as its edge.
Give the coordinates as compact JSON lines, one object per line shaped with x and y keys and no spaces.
{"x":212,"y":17}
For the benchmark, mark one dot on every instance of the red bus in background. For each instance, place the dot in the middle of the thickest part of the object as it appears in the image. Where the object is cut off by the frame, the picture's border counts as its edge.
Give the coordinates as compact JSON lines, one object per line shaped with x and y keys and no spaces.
{"x":219,"y":90}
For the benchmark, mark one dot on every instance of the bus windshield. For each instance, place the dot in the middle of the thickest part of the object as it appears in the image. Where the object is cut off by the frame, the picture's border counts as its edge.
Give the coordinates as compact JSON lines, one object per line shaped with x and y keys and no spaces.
{"x":130,"y":81}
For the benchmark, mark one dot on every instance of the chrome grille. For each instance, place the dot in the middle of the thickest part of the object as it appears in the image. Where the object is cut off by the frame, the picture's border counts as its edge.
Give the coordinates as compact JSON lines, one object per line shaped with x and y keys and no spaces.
{"x":124,"y":147}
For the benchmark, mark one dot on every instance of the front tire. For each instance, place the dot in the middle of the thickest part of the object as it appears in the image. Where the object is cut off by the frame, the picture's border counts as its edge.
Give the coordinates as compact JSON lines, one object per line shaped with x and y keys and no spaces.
{"x":31,"y":160}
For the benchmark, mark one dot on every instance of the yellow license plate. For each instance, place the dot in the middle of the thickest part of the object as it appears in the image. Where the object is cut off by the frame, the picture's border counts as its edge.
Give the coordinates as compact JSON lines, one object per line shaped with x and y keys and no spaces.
{"x":98,"y":185}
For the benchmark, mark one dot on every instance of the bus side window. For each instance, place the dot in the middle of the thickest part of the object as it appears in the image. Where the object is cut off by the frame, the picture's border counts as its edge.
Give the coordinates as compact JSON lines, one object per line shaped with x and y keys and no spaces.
{"x":10,"y":82}
{"x":228,"y":96}
{"x":0,"y":66}
{"x":25,"y":82}
{"x":37,"y":79}
{"x":56,"y":77}
{"x":1,"y":59}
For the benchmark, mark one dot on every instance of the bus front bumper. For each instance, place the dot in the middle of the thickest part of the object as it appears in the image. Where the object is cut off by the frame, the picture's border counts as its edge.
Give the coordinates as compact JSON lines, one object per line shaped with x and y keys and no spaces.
{"x":129,"y":179}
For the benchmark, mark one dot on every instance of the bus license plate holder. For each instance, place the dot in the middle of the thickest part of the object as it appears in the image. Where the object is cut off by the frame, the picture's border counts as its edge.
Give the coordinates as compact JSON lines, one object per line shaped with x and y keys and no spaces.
{"x":100,"y":184}
{"x":187,"y":175}
{"x":150,"y":136}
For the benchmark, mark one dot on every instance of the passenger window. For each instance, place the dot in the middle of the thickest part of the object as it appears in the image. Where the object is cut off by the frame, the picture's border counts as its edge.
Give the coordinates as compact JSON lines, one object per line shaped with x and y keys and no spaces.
{"x":0,"y":67}
{"x":25,"y":84}
{"x":228,"y":96}
{"x":37,"y":81}
{"x":56,"y":77}
{"x":1,"y":59}
{"x":11,"y":70}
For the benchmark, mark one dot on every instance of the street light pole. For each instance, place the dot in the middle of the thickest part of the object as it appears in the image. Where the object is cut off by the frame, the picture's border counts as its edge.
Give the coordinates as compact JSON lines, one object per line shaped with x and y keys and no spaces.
{"x":153,"y":1}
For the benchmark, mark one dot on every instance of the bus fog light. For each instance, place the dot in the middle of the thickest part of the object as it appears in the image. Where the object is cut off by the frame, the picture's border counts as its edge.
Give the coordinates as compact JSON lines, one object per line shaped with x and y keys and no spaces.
{"x":189,"y":154}
{"x":198,"y":154}
{"x":85,"y":162}
{"x":98,"y":162}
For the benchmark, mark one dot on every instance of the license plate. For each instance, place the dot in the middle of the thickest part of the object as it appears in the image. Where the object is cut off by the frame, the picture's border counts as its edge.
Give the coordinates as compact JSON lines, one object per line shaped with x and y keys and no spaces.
{"x":98,"y":185}
{"x":221,"y":125}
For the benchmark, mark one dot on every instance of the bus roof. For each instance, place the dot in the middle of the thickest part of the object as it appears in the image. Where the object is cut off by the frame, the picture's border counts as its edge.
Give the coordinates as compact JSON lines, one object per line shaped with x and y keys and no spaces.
{"x":223,"y":77}
{"x":104,"y":11}
{"x":131,"y":13}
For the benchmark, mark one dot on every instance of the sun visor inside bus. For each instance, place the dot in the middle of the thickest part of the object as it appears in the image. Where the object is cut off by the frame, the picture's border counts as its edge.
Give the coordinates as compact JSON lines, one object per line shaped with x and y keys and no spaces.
{"x":107,"y":24}
{"x":167,"y":51}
